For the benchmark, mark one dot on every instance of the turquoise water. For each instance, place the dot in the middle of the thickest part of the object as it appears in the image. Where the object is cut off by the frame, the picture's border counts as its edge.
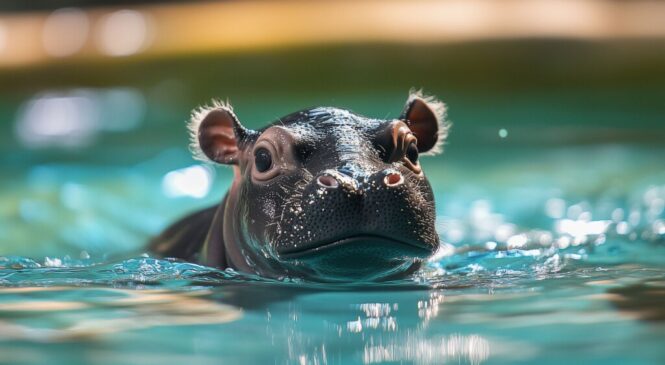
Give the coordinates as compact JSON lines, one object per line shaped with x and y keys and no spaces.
{"x":540,"y":264}
{"x":550,"y":205}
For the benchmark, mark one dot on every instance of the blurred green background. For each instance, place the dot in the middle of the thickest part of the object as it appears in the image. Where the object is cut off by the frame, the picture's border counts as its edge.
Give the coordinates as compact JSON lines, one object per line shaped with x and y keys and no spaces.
{"x":544,"y":92}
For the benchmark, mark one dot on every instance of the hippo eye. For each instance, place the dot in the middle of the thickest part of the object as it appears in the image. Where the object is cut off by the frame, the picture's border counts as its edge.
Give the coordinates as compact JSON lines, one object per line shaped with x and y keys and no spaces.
{"x":262,"y":160}
{"x":412,"y":152}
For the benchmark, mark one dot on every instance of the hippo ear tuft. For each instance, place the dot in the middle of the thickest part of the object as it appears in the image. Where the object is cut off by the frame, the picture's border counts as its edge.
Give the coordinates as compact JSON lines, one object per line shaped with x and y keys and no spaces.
{"x":426,"y":116}
{"x":216,"y":134}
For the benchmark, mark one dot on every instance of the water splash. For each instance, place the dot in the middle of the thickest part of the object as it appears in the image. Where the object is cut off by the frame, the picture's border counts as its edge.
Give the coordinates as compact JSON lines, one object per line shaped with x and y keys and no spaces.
{"x":134,"y":272}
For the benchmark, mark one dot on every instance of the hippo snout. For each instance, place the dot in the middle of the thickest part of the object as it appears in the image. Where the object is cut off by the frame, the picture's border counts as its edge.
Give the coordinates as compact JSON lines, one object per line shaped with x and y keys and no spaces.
{"x":335,"y":208}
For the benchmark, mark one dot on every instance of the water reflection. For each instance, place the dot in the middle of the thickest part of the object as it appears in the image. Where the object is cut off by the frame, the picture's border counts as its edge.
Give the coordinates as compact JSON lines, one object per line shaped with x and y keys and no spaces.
{"x":644,"y":300}
{"x":57,"y":120}
{"x":136,"y":304}
{"x":193,"y":181}
{"x":512,"y":289}
{"x":328,"y":328}
{"x":74,"y":118}
{"x":572,"y":225}
{"x":86,"y":314}
{"x":471,"y":349}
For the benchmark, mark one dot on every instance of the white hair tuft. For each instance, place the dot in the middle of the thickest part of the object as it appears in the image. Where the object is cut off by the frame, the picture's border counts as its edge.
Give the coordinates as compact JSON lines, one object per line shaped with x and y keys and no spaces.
{"x":194,"y":123}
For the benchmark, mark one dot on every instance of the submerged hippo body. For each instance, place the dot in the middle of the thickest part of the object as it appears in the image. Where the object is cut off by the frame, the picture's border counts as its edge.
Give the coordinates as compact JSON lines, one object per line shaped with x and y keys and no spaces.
{"x":322,"y":193}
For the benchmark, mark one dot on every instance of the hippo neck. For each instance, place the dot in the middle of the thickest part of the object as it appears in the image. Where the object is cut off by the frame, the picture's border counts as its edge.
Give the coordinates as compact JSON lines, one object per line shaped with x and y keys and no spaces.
{"x":227,"y":243}
{"x":213,"y":253}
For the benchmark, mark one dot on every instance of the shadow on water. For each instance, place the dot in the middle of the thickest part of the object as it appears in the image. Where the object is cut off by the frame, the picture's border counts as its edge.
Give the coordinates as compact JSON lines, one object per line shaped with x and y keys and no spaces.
{"x":645,"y":300}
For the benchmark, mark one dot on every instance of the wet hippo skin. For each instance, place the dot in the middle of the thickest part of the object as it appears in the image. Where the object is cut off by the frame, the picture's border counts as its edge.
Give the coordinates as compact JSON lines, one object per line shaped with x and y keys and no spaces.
{"x":322,"y":193}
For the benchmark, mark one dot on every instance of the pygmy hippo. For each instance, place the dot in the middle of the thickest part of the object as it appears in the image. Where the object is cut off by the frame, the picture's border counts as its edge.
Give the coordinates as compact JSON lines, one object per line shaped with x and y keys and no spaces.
{"x":323,"y":193}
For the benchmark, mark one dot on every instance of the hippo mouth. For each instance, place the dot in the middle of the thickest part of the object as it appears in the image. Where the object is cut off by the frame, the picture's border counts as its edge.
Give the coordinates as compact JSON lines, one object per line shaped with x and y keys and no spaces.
{"x":364,"y":242}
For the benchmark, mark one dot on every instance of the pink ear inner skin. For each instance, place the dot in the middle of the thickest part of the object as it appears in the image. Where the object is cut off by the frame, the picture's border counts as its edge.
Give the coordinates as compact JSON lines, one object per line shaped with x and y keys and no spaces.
{"x":217,"y":138}
{"x":422,"y":121}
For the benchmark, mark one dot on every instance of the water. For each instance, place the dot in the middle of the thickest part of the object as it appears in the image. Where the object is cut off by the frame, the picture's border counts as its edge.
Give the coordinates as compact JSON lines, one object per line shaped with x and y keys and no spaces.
{"x":550,"y":203}
{"x":543,"y":265}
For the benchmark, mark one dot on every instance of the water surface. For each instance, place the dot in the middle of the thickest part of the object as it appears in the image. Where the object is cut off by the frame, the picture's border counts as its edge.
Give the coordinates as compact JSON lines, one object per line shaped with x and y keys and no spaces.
{"x":542,"y":265}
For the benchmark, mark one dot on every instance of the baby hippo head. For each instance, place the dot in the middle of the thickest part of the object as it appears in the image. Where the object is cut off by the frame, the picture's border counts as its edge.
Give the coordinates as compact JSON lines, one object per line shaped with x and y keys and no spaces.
{"x":326,"y":193}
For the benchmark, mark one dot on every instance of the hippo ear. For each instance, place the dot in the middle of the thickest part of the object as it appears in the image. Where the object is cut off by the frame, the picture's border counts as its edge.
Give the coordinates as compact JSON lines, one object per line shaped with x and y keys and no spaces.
{"x":216,"y":134}
{"x":426,"y":117}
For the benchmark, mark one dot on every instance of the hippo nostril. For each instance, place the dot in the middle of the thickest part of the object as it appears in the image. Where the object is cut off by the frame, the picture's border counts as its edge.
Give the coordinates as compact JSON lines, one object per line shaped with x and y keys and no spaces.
{"x":327,"y":181}
{"x":393,"y":179}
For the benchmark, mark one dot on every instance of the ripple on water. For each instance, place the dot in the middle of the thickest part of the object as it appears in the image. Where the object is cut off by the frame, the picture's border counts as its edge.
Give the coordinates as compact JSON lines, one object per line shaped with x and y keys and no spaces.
{"x":514,"y":281}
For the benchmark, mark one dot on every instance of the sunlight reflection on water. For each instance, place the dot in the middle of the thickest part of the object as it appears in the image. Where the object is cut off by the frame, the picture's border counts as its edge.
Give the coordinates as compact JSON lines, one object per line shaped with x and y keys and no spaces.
{"x":516,"y":278}
{"x":75,"y":118}
{"x":471,"y":349}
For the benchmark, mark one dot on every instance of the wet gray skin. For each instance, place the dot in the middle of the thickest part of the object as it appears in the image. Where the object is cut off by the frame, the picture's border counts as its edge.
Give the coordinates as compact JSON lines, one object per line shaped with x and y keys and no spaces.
{"x":323,"y":194}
